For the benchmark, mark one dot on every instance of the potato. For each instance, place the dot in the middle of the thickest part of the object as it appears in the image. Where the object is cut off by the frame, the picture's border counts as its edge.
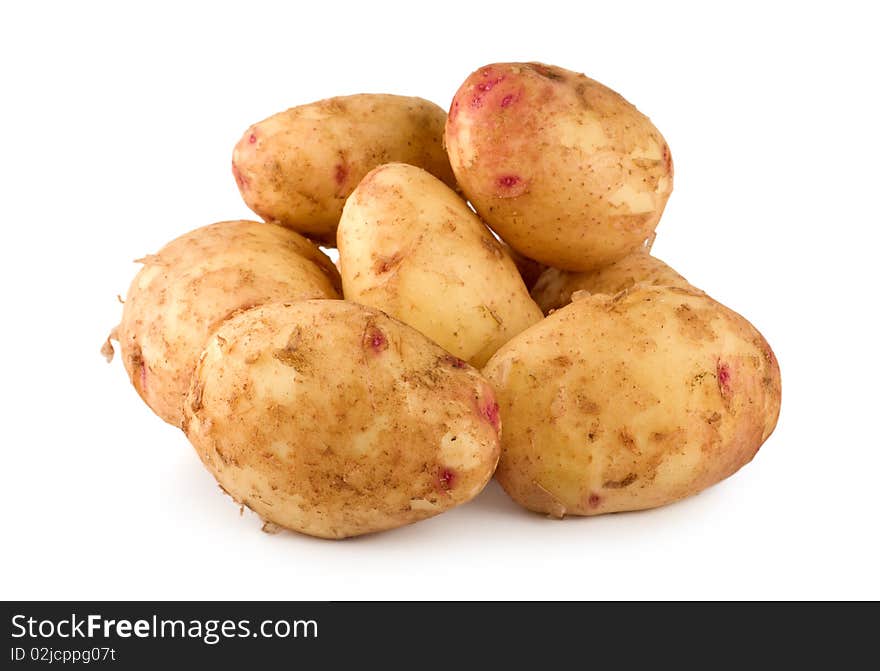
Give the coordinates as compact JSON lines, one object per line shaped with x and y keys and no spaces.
{"x":564,"y":169}
{"x":529,"y":269}
{"x":554,"y":287}
{"x":297,"y":168}
{"x":411,"y":247}
{"x":195,"y":282}
{"x":631,"y":401}
{"x":333,"y":419}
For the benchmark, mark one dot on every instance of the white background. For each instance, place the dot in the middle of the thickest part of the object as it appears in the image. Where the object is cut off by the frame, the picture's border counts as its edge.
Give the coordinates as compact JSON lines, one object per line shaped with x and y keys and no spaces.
{"x":118,"y":126}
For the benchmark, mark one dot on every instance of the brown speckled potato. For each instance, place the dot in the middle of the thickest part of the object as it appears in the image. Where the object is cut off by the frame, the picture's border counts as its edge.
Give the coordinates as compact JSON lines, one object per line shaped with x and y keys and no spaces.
{"x":187,"y":289}
{"x":333,"y":419}
{"x":554,"y":287}
{"x":410,"y":246}
{"x":297,"y":168}
{"x":631,"y":401}
{"x":564,"y":169}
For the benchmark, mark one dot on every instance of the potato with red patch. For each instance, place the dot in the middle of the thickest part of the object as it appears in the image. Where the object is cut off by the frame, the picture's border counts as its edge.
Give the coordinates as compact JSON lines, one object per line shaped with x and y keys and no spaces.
{"x":335,"y":420}
{"x":554,"y":287}
{"x":297,"y":167}
{"x":410,"y":246}
{"x":631,"y":401}
{"x":564,"y":169}
{"x":191,"y":285}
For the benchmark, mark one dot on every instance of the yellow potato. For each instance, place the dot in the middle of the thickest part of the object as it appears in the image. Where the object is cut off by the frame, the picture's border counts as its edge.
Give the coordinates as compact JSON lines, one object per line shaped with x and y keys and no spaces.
{"x":191,"y":285}
{"x":410,"y":246}
{"x":333,"y":419}
{"x":564,"y":169}
{"x":297,"y":167}
{"x":631,"y":401}
{"x":554,"y":287}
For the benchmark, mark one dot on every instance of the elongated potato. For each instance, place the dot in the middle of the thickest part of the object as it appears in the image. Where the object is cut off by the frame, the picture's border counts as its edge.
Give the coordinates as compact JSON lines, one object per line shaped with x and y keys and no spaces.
{"x":631,"y":401}
{"x":410,"y":246}
{"x":297,"y":167}
{"x":191,"y":285}
{"x":554,"y":287}
{"x":333,"y":419}
{"x":564,"y":169}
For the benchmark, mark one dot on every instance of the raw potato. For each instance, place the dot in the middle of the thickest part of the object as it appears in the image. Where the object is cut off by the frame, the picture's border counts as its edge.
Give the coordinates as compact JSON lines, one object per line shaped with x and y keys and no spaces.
{"x":631,"y":402}
{"x":411,"y":247}
{"x":335,"y":420}
{"x":529,"y":269}
{"x":564,"y":169}
{"x":554,"y":287}
{"x":195,"y":282}
{"x":298,"y":167}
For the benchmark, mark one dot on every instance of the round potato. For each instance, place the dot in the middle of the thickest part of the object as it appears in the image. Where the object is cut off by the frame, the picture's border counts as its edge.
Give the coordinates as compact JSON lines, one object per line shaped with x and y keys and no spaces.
{"x":554,"y":287}
{"x":297,"y":168}
{"x":333,"y":419}
{"x":631,"y":401}
{"x":564,"y":169}
{"x":410,"y":246}
{"x":187,"y":289}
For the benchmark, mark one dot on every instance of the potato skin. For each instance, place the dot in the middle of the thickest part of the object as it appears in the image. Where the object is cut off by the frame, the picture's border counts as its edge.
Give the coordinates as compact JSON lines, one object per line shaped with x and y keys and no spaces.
{"x":297,"y":167}
{"x":564,"y":169}
{"x":335,"y":420}
{"x":191,"y":285}
{"x":554,"y":287}
{"x":411,"y":247}
{"x":631,"y":401}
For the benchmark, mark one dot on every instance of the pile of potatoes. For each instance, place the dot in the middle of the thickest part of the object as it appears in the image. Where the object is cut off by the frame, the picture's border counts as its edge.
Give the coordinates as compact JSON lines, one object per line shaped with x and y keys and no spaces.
{"x":496,"y":310}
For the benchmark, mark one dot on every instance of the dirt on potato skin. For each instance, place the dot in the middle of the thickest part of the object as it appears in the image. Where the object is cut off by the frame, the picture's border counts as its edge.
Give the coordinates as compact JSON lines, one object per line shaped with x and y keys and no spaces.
{"x":631,"y":401}
{"x":335,"y":420}
{"x":194,"y":284}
